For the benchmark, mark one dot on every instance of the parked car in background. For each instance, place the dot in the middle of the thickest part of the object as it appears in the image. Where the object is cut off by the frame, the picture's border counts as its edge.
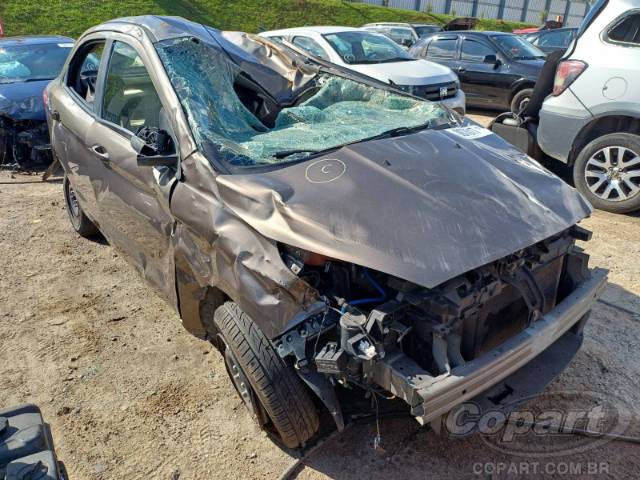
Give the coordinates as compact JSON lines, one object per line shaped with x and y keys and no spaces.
{"x":496,"y":70}
{"x":552,"y":40}
{"x":27,"y":65}
{"x":398,"y":32}
{"x":376,"y":56}
{"x":548,"y":25}
{"x":322,"y":229}
{"x":592,"y":119}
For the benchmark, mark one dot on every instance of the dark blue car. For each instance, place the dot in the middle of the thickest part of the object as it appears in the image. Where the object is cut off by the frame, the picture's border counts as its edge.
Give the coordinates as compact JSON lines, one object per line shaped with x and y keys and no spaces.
{"x":27,"y":65}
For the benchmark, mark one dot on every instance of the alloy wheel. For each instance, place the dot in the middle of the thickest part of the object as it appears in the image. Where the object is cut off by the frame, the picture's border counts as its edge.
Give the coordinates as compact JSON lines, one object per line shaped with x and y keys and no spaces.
{"x":613,"y":173}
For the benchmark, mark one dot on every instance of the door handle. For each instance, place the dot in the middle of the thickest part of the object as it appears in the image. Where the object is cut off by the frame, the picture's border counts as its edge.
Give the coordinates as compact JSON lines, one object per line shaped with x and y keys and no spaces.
{"x":101,"y":152}
{"x":461,"y":69}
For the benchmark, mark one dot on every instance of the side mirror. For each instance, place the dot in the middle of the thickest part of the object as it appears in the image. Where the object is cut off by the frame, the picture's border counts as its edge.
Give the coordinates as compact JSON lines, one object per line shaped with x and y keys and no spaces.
{"x":491,"y":59}
{"x":406,"y":42}
{"x":155,"y":148}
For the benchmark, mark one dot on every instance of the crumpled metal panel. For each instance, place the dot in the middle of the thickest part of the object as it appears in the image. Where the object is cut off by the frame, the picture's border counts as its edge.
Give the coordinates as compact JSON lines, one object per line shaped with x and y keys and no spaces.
{"x":214,"y":247}
{"x":22,"y":101}
{"x":424,"y":207}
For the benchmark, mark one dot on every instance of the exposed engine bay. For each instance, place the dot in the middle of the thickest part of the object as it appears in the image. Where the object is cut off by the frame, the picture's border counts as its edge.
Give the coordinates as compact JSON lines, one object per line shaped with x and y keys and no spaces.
{"x":24,"y":144}
{"x":382,"y":333}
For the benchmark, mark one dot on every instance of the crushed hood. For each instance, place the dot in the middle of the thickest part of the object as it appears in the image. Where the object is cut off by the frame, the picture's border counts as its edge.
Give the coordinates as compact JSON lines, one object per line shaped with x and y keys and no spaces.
{"x":23,"y":101}
{"x":416,"y":72}
{"x":424,"y":207}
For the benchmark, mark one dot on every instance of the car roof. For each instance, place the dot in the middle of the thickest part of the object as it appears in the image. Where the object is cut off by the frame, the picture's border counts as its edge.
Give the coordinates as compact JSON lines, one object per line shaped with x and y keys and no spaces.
{"x":312,"y":29}
{"x":402,"y":24}
{"x":34,"y":40}
{"x":556,"y":29}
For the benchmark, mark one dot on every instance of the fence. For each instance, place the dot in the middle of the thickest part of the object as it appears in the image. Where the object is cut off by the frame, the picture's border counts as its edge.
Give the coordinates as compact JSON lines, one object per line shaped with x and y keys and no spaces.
{"x":529,"y":11}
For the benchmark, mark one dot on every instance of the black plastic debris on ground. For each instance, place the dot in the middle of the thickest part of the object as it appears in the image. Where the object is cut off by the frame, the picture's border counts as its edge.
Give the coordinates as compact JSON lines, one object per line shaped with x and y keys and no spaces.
{"x":26,"y":446}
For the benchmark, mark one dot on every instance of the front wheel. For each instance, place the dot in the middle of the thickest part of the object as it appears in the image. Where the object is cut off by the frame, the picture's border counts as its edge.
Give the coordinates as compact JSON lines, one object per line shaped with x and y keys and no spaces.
{"x":268,"y":386}
{"x":79,"y":221}
{"x":520,"y":100}
{"x":607,"y":172}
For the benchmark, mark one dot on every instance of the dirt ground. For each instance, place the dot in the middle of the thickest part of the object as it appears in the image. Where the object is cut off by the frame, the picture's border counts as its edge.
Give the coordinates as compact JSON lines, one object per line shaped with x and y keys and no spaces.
{"x":130,"y":394}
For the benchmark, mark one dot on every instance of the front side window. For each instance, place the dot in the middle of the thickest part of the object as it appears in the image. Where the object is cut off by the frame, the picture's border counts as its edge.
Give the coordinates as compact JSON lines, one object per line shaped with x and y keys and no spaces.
{"x":29,"y":63}
{"x":130,"y":99}
{"x":516,"y":48}
{"x":474,"y":51}
{"x":442,"y":48}
{"x":627,"y":30}
{"x":83,"y":71}
{"x":359,"y":48}
{"x":311,"y":46}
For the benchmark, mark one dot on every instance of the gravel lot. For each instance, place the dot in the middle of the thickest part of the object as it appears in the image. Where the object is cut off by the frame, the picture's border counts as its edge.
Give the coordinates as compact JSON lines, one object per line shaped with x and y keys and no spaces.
{"x":130,"y":394}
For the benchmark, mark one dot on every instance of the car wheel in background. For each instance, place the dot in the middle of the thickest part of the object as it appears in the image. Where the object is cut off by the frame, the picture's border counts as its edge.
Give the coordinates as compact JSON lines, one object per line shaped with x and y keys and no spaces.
{"x":79,"y":220}
{"x":607,"y":172}
{"x":268,"y":386}
{"x":521,"y":99}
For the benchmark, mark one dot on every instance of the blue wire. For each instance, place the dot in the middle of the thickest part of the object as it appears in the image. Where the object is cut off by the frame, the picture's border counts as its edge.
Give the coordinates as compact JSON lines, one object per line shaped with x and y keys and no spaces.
{"x":376,"y":285}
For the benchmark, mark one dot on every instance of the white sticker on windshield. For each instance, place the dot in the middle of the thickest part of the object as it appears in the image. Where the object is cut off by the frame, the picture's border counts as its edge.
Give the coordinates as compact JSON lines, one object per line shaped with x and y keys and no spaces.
{"x":65,"y":45}
{"x":471,"y":132}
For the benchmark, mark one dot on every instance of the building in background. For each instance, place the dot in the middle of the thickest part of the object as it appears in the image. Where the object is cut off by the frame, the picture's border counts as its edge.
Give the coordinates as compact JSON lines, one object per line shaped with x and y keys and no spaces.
{"x":530,"y":11}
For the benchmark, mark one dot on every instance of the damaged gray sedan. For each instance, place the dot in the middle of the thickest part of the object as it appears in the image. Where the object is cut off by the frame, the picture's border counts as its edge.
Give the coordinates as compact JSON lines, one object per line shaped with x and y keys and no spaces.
{"x":327,"y":232}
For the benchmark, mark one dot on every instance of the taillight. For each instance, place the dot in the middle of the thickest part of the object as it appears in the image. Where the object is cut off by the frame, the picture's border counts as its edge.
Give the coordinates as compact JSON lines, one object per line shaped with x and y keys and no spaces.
{"x":566,"y":73}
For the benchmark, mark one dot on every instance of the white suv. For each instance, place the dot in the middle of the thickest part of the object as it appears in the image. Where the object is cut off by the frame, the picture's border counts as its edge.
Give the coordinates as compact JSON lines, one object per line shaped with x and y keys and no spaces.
{"x":592,"y":119}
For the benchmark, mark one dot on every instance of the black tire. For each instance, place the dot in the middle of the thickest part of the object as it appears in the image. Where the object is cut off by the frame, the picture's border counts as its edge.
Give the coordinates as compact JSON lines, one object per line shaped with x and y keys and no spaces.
{"x":277,"y":387}
{"x":79,"y":221}
{"x":594,"y":150}
{"x":520,"y":99}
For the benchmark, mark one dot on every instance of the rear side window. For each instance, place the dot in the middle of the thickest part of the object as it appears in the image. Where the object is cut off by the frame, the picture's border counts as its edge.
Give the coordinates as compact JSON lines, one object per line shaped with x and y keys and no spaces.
{"x":130,"y":99}
{"x":473,"y":51}
{"x":627,"y":30}
{"x":442,"y":48}
{"x":83,"y":71}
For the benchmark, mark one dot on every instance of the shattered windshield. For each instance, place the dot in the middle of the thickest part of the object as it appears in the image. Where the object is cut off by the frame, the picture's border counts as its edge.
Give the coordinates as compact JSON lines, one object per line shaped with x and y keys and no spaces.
{"x":29,"y":63}
{"x":247,"y":128}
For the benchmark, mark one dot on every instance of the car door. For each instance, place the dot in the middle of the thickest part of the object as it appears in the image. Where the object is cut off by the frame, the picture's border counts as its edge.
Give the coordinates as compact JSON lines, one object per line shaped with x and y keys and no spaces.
{"x":133,"y":199}
{"x":480,"y":72}
{"x":72,"y":115}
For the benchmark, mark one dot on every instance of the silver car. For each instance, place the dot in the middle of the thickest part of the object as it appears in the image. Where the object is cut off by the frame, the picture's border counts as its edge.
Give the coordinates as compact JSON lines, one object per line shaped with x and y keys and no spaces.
{"x":592,"y":119}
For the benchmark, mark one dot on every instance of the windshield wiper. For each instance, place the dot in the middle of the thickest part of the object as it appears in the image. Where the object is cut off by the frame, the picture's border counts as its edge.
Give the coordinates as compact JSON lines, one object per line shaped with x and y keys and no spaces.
{"x":36,"y":79}
{"x":394,"y":132}
{"x":310,"y":151}
{"x":398,"y":59}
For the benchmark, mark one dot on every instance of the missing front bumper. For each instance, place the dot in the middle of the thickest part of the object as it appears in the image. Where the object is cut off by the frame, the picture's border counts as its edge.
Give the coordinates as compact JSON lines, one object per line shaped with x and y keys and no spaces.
{"x":430,"y":397}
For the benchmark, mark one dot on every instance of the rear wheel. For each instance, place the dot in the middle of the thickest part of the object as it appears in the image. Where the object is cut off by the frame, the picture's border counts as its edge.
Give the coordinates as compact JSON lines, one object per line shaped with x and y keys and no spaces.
{"x":79,"y":221}
{"x":268,"y":386}
{"x":521,"y":99}
{"x":607,"y":172}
